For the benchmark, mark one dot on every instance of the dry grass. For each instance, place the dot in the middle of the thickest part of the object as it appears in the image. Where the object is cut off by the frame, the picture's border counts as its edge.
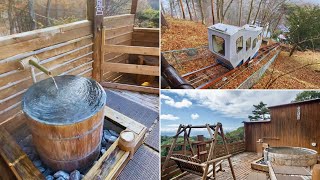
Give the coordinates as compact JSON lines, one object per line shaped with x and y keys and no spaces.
{"x":183,"y":34}
{"x":305,"y":68}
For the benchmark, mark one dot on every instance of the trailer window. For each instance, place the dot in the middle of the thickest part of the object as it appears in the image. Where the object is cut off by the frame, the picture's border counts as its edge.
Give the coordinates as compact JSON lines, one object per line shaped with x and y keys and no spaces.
{"x":248,"y":44}
{"x":259,"y":37}
{"x":254,"y":44}
{"x":239,"y":44}
{"x":218,"y":44}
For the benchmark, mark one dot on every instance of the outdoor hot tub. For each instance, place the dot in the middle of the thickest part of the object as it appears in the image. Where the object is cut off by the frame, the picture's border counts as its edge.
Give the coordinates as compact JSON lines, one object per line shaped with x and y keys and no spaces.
{"x":291,"y":156}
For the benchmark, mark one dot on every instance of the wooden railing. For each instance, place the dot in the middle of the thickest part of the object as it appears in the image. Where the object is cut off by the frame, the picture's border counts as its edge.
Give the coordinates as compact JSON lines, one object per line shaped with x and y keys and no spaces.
{"x":173,"y":170}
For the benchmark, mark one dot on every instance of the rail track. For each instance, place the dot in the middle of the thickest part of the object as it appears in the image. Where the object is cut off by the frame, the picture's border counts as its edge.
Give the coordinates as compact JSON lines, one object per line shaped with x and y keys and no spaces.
{"x":217,"y":76}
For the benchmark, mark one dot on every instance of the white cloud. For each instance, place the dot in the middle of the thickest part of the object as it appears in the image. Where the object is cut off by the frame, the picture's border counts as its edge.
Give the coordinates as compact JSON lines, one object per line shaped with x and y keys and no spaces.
{"x":165,"y":97}
{"x":181,"y":104}
{"x":195,"y":116}
{"x":171,"y":102}
{"x":168,"y":117}
{"x":236,"y":103}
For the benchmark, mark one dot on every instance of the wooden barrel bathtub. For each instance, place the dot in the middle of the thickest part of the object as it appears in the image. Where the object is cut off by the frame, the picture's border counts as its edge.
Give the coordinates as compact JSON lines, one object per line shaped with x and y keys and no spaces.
{"x":66,"y":123}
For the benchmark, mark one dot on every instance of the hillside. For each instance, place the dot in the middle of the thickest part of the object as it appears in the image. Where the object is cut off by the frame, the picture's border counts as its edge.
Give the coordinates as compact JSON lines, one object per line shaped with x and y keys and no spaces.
{"x":183,"y":34}
{"x":300,"y":71}
{"x":232,"y":136}
{"x":303,"y":66}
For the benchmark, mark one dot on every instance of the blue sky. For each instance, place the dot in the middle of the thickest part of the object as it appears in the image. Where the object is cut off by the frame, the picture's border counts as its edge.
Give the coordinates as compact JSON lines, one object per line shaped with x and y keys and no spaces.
{"x":198,"y":107}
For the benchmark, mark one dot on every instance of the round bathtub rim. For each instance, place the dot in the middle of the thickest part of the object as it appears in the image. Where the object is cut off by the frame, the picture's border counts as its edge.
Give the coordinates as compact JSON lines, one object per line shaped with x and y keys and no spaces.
{"x":79,"y":120}
{"x":314,"y":152}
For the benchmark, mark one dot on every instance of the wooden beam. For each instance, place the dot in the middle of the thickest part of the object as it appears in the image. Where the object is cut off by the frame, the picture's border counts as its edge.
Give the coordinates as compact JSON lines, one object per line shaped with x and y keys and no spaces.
{"x":130,"y":87}
{"x":132,"y":68}
{"x":148,"y":30}
{"x":189,"y":162}
{"x":109,"y":158}
{"x":134,"y":6}
{"x":16,"y":159}
{"x":123,"y":120}
{"x":219,"y":159}
{"x":95,"y":13}
{"x":152,"y":51}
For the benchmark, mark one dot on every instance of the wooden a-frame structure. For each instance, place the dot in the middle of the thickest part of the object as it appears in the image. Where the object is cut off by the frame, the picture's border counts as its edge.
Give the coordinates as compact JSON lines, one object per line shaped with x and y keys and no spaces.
{"x":193,"y":164}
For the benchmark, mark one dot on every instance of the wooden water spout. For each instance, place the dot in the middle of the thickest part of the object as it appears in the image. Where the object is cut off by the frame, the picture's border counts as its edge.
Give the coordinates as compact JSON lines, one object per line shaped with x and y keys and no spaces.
{"x":31,"y":62}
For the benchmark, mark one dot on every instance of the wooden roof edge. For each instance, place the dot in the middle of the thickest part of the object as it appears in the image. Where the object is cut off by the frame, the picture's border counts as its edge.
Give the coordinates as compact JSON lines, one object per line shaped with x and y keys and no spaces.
{"x":296,"y":103}
{"x":261,"y":121}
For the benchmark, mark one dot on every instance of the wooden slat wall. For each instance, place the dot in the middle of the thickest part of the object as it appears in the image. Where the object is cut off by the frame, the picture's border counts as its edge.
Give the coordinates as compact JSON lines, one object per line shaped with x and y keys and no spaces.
{"x":284,"y":128}
{"x":65,"y":49}
{"x":173,"y":170}
{"x":148,"y":37}
{"x":118,"y":31}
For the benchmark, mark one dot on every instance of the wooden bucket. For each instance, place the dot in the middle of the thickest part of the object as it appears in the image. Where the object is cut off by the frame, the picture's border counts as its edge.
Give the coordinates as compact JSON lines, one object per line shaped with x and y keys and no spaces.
{"x":66,"y":127}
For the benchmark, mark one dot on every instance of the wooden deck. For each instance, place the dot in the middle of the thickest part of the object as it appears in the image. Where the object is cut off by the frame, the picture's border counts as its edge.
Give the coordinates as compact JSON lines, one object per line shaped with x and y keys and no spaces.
{"x":241,"y":165}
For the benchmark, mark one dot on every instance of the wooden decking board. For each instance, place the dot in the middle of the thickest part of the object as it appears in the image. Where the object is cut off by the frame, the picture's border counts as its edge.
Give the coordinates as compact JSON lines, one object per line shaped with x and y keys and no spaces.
{"x":291,"y":170}
{"x":283,"y":177}
{"x":147,"y":100}
{"x":255,"y":176}
{"x":241,"y":164}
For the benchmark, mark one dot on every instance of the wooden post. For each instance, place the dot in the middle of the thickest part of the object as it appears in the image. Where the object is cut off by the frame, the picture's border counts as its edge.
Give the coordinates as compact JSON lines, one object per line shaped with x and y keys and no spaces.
{"x":173,"y":145}
{"x":188,"y":140}
{"x":211,"y":152}
{"x":95,"y":12}
{"x":184,"y":147}
{"x":134,"y":6}
{"x":227,"y":149}
{"x":316,"y":171}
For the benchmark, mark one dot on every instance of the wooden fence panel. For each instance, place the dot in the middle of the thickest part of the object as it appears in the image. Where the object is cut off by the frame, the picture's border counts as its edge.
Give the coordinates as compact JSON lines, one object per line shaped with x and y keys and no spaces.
{"x":64,"y":49}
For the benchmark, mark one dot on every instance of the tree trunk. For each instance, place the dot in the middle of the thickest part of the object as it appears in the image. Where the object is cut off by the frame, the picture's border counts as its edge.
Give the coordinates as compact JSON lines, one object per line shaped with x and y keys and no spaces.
{"x":212,"y":10}
{"x":221,"y":10}
{"x":201,"y":11}
{"x":255,"y":18}
{"x":182,"y":10}
{"x":174,"y":8}
{"x":48,"y":13}
{"x":279,"y":19}
{"x":10,"y":16}
{"x":163,"y":21}
{"x":240,"y":13}
{"x":32,"y":14}
{"x":163,"y":11}
{"x":250,"y":11}
{"x":226,"y":10}
{"x":194,"y":9}
{"x":218,"y":10}
{"x":293,"y":49}
{"x":171,"y":8}
{"x":189,"y":10}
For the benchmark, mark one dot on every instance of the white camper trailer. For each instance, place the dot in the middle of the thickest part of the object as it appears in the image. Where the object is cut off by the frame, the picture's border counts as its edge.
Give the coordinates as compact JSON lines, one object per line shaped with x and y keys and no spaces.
{"x":234,"y":45}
